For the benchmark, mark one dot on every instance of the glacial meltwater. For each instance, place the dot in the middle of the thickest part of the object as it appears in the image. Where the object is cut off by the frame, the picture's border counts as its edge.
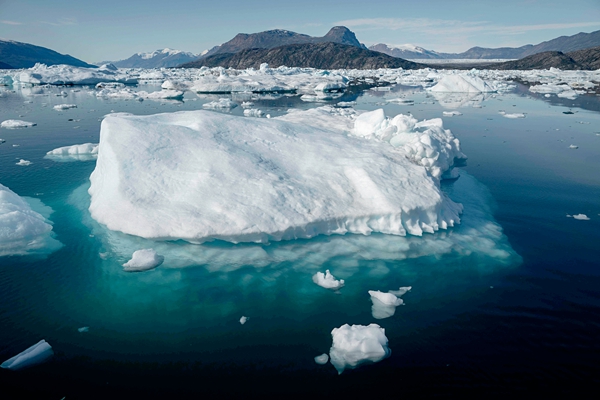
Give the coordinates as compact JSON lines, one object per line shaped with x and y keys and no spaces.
{"x":505,"y":302}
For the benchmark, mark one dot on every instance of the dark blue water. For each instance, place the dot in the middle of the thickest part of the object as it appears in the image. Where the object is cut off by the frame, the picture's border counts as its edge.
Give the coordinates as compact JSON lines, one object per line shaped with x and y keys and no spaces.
{"x":506,"y":303}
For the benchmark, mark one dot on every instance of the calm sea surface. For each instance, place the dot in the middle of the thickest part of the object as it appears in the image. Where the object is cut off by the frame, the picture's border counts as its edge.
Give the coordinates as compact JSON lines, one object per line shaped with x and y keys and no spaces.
{"x":506,"y":303}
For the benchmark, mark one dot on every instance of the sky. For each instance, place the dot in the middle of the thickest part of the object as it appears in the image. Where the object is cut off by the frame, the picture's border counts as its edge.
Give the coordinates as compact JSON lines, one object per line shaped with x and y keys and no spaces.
{"x":110,"y":30}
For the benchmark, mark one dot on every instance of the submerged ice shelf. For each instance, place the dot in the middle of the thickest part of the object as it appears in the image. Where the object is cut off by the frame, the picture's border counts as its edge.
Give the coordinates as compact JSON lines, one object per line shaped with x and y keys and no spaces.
{"x":200,"y":176}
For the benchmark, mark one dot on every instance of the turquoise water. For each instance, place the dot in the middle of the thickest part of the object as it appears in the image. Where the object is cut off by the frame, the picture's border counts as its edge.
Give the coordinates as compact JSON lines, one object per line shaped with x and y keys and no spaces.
{"x":505,"y":302}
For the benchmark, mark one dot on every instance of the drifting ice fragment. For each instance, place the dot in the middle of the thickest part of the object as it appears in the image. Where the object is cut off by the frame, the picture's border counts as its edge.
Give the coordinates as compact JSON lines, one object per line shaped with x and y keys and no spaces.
{"x":76,"y":152}
{"x":327,"y":280}
{"x":451,"y":113}
{"x":357,"y":344}
{"x":36,"y":354}
{"x":143,"y":260}
{"x":83,"y":329}
{"x":322,"y":359}
{"x":573,"y":146}
{"x":243,"y":320}
{"x":64,"y":106}
{"x":581,"y":217}
{"x":16,"y":123}
{"x":24,"y":162}
{"x":384,"y":304}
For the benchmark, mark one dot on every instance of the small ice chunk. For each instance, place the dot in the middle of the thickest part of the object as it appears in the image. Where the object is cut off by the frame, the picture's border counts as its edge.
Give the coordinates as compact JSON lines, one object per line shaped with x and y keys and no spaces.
{"x":143,"y":260}
{"x":253,"y":112}
{"x":247,"y":104}
{"x":83,"y":329}
{"x":243,"y":320}
{"x":77,"y":152}
{"x":513,"y":115}
{"x":322,"y":359}
{"x":451,"y":113}
{"x":357,"y":344}
{"x":327,"y":280}
{"x":24,"y":162}
{"x":60,"y":107}
{"x":221,"y":104}
{"x":16,"y":123}
{"x":581,"y":217}
{"x":384,"y":304}
{"x":573,"y":146}
{"x":38,"y":353}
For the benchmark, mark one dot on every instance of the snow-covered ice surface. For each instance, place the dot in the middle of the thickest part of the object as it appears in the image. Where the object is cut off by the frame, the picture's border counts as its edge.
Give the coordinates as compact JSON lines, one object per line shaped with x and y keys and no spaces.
{"x":36,"y":354}
{"x":222,"y":177}
{"x":356,"y":344}
{"x":16,"y":123}
{"x":66,"y":74}
{"x":76,"y":152}
{"x":24,"y":231}
{"x":143,"y":260}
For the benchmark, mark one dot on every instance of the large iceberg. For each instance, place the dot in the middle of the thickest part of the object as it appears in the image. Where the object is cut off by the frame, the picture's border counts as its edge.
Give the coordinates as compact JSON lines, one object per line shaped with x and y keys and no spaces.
{"x":463,"y":83}
{"x":22,"y":230}
{"x":356,"y":344}
{"x":200,"y":175}
{"x":76,"y":152}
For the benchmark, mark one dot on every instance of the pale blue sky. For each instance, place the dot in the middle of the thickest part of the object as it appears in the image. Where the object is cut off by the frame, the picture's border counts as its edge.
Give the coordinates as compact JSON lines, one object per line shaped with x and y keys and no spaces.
{"x":116,"y":29}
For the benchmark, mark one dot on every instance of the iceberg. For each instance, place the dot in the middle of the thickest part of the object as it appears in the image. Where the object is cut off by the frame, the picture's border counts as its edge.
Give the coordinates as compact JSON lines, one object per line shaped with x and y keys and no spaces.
{"x":322,"y":359}
{"x":356,"y":344}
{"x":222,"y":104}
{"x":61,"y":107}
{"x":143,"y":260}
{"x":384,"y":304}
{"x":22,"y":230}
{"x":200,"y":176}
{"x":62,"y":74}
{"x":243,"y":319}
{"x":463,"y":83}
{"x":327,"y":281}
{"x":16,"y":123}
{"x":36,"y":354}
{"x":23,"y":162}
{"x":76,"y":152}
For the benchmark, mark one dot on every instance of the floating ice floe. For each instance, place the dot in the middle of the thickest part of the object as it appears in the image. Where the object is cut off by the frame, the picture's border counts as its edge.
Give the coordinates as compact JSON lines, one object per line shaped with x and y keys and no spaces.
{"x":384,"y":304}
{"x":222,"y":177}
{"x":24,"y":162}
{"x":451,"y":113}
{"x":36,"y":354}
{"x":16,"y":123}
{"x":24,"y":231}
{"x":76,"y":152}
{"x":511,"y":115}
{"x":581,"y":217}
{"x":223,"y":104}
{"x":243,"y":320}
{"x":357,"y":344}
{"x":83,"y":329}
{"x":162,"y":95}
{"x":561,"y":90}
{"x":463,"y":83}
{"x":572,"y":146}
{"x":61,"y":107}
{"x":327,"y":281}
{"x":143,"y":260}
{"x":253,"y":112}
{"x":322,"y":359}
{"x":65,"y":74}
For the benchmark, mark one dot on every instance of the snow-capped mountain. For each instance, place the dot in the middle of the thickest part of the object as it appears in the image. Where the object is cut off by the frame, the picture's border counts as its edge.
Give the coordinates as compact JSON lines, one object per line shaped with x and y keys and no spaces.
{"x":406,"y":51}
{"x":165,"y":58}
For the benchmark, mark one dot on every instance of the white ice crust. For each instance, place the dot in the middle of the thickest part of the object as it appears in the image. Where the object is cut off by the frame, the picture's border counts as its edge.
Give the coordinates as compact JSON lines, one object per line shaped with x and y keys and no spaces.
{"x":200,"y":175}
{"x":60,"y":107}
{"x":463,"y":83}
{"x":143,"y":260}
{"x":357,"y":344}
{"x":35,"y":354}
{"x":22,"y":230}
{"x":76,"y":152}
{"x":327,"y":281}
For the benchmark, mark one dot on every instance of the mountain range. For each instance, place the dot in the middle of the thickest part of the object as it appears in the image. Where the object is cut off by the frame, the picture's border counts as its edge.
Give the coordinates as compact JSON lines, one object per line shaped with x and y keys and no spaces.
{"x":24,"y":55}
{"x":563,"y":44}
{"x":165,"y":58}
{"x":325,"y":55}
